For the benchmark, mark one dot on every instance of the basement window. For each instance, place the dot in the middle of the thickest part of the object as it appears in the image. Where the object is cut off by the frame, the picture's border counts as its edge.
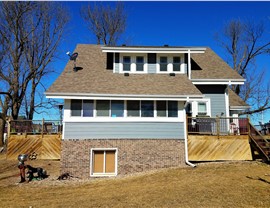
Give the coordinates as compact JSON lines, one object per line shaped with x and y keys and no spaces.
{"x":103,"y":162}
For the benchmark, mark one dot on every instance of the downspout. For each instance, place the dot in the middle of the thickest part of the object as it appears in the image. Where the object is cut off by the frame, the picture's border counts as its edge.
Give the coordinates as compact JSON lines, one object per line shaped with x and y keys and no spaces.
{"x":186,"y":138}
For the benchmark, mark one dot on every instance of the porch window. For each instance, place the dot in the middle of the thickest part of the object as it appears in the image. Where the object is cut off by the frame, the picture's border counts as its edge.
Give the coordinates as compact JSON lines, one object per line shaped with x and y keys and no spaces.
{"x":126,"y":63}
{"x":104,"y":162}
{"x":202,"y":110}
{"x":88,"y":108}
{"x":161,"y":108}
{"x":76,"y":107}
{"x":147,"y":108}
{"x":139,"y":63}
{"x":172,"y":109}
{"x":176,"y":63}
{"x":103,"y":108}
{"x":163,"y":63}
{"x":117,"y":107}
{"x":133,"y":108}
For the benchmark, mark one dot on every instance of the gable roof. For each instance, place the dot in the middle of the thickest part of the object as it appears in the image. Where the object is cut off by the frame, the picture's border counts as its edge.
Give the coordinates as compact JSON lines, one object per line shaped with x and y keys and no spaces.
{"x":211,"y":66}
{"x":235,"y":102}
{"x":94,"y":78}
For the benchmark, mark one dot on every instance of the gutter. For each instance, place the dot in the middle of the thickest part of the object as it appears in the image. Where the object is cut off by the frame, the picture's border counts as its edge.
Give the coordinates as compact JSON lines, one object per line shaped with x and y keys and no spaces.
{"x":186,"y":139}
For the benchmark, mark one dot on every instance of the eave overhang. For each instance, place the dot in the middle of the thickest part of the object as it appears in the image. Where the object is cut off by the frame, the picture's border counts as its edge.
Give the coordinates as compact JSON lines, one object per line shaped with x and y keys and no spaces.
{"x":218,"y":81}
{"x":120,"y":97}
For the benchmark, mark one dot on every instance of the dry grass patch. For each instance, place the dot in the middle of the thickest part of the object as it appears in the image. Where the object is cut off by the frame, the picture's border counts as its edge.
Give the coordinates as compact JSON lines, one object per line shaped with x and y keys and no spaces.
{"x":236,"y":184}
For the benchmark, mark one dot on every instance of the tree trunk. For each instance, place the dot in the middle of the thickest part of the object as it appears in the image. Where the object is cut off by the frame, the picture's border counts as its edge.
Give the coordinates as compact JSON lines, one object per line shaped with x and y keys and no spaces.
{"x":2,"y":131}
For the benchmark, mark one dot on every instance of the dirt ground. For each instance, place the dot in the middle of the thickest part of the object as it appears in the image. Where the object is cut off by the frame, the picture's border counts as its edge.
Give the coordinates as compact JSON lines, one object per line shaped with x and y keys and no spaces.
{"x":223,"y":184}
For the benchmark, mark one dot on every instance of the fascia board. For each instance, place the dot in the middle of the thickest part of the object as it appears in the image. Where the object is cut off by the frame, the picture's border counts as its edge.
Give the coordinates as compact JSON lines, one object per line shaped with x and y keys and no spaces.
{"x":153,"y":50}
{"x":119,"y":97}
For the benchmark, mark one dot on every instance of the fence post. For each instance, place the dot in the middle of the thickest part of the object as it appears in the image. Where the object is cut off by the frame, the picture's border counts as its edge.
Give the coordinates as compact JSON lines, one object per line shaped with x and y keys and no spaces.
{"x":42,"y":129}
{"x":248,"y":125}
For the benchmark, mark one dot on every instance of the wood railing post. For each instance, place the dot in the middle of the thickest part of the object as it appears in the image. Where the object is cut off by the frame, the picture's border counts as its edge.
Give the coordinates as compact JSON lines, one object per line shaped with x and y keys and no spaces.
{"x":218,"y":126}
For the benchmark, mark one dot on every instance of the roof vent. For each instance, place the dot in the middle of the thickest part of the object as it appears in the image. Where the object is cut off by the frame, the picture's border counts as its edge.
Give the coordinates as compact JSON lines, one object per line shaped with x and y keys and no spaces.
{"x":166,"y":45}
{"x":172,"y":74}
{"x":126,"y":74}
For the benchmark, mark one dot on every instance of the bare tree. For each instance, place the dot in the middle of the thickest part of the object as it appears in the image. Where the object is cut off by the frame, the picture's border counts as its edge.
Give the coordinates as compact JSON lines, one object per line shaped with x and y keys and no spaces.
{"x":30,"y":33}
{"x":105,"y":22}
{"x":244,"y":42}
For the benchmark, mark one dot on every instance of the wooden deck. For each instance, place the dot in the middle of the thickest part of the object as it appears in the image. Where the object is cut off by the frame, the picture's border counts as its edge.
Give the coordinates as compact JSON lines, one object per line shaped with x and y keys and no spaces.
{"x":46,"y":146}
{"x":212,"y":148}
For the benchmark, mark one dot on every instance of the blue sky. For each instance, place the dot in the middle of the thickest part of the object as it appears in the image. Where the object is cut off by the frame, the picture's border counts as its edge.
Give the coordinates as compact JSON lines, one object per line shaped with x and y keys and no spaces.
{"x":174,"y":23}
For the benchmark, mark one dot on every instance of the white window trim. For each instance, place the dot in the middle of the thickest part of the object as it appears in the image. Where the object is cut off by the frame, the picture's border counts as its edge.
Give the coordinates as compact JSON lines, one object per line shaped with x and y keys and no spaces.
{"x":133,"y":63}
{"x":125,"y":118}
{"x":103,"y":174}
{"x":170,"y":64}
{"x":195,"y":104}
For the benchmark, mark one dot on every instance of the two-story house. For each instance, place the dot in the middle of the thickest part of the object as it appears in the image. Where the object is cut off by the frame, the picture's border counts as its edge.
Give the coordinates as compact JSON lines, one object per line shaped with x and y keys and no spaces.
{"x":125,"y":108}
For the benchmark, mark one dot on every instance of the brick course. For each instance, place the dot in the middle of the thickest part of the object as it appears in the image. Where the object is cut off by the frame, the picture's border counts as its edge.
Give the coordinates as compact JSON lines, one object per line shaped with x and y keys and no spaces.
{"x":133,"y":155}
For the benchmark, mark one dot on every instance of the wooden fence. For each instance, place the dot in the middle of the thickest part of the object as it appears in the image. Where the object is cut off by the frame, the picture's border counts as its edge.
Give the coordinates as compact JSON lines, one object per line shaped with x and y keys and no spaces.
{"x":24,"y":138}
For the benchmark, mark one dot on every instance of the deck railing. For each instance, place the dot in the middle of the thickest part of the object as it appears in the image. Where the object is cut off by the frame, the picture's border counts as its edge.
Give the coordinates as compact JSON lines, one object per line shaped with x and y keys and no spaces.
{"x":35,"y":127}
{"x":218,"y":125}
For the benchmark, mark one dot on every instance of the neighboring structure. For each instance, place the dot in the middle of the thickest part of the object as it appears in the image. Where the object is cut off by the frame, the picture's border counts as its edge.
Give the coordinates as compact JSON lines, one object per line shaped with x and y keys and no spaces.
{"x":125,"y":107}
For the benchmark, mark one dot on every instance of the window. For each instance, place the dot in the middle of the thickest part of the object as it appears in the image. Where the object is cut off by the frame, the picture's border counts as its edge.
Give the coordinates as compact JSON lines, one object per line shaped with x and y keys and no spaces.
{"x":104,"y":162}
{"x":139,"y":63}
{"x":117,"y":108}
{"x":126,"y":63}
{"x":172,"y":109}
{"x":147,"y":109}
{"x":161,"y":108}
{"x":133,"y":108}
{"x":202,"y":110}
{"x":103,"y":108}
{"x":163,"y":63}
{"x":176,"y":63}
{"x":76,"y":107}
{"x":88,"y":108}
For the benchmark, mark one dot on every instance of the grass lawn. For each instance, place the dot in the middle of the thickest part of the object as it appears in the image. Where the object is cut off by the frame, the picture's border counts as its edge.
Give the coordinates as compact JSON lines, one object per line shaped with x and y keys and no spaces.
{"x":230,"y":184}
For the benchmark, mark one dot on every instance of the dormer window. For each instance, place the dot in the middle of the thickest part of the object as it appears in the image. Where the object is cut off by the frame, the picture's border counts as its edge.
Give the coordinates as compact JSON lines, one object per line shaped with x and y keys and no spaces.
{"x":163,"y":63}
{"x":126,"y":63}
{"x":176,"y":64}
{"x":139,"y":63}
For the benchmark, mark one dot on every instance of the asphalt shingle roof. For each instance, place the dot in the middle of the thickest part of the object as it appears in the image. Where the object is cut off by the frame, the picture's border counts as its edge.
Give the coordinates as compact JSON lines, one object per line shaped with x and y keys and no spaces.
{"x":94,"y":78}
{"x":211,"y":66}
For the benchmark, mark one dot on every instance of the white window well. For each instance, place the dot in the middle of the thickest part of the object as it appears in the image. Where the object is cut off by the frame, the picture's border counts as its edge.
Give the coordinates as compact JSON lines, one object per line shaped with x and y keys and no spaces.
{"x":103,"y":162}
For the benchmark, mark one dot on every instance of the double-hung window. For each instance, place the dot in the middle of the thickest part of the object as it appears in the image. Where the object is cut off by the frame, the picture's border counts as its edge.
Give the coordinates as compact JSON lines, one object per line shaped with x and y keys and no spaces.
{"x":76,"y":107}
{"x":147,"y":108}
{"x":103,"y":107}
{"x":167,"y":109}
{"x":139,"y":63}
{"x":117,"y":108}
{"x":163,"y":64}
{"x":176,"y":64}
{"x":126,"y":63}
{"x":161,"y":108}
{"x":133,"y":108}
{"x":202,"y":109}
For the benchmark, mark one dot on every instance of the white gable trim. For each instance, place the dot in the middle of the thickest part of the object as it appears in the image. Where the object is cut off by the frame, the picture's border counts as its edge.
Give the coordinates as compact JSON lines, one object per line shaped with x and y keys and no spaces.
{"x":218,"y":81}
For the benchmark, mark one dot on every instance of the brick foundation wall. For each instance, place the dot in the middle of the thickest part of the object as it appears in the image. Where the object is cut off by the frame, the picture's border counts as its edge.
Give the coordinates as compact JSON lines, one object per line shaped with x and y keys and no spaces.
{"x":133,"y":155}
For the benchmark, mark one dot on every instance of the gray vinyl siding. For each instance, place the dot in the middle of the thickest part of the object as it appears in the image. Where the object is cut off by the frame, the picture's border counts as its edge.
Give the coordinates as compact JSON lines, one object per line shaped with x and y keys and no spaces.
{"x":123,"y":130}
{"x":152,"y":68}
{"x":218,"y":105}
{"x":216,"y":93}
